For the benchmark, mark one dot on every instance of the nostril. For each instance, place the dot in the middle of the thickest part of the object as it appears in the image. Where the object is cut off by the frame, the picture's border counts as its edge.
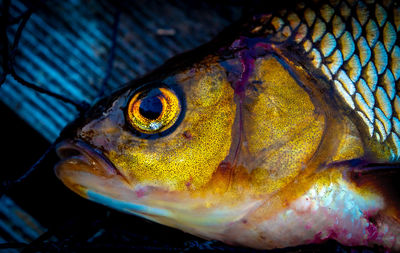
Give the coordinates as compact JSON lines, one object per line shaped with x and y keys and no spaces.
{"x":68,"y":152}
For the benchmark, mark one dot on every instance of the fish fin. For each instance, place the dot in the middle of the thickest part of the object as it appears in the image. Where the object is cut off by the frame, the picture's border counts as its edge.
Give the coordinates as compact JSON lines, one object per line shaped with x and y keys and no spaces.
{"x":383,"y":178}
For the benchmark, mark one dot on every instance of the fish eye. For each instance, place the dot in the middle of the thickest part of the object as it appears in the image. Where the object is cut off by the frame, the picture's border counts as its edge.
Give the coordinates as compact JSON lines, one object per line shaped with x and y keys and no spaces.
{"x":154,"y":110}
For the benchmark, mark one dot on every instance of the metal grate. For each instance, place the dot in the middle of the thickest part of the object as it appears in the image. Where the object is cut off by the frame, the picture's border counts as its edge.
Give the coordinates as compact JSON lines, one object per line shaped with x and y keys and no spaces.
{"x":65,"y":45}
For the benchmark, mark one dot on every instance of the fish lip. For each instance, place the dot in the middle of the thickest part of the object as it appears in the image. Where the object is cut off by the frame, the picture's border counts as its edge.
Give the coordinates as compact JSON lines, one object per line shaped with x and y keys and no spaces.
{"x":78,"y":149}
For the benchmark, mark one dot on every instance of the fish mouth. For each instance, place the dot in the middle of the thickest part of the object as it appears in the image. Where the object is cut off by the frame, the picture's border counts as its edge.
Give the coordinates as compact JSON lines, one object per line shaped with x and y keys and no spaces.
{"x":79,"y":150}
{"x":82,"y":167}
{"x":87,"y":172}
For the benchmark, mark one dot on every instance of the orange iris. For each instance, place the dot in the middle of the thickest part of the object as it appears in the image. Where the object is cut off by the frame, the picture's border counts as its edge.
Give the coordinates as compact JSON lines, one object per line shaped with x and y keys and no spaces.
{"x":153,"y":111}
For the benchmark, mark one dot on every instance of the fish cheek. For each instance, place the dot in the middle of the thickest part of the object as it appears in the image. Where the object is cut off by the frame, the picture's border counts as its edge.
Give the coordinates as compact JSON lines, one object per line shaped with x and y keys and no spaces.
{"x":282,"y":128}
{"x":185,"y":159}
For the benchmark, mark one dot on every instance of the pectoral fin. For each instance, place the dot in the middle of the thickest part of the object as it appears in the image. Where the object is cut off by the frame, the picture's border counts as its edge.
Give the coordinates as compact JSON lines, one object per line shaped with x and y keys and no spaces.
{"x":381,"y":178}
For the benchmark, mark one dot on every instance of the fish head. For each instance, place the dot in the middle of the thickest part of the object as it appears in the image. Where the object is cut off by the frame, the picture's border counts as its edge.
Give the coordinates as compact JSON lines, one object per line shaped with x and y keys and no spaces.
{"x":200,"y":146}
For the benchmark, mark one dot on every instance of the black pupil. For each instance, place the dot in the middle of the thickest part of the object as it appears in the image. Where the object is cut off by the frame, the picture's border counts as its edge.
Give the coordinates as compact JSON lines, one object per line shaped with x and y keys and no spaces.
{"x":151,"y":107}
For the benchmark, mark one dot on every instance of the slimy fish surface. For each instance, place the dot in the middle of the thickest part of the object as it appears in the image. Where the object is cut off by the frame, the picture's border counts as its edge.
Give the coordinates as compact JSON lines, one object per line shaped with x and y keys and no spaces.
{"x":282,"y":131}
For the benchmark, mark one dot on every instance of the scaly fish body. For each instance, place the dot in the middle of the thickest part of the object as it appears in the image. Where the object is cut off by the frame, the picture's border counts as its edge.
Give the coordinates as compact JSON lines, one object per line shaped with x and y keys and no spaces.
{"x":355,"y":46}
{"x":282,"y":131}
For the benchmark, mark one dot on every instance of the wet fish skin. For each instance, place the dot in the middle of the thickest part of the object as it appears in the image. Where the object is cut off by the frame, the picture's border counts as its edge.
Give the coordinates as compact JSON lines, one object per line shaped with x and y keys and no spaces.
{"x":273,"y":141}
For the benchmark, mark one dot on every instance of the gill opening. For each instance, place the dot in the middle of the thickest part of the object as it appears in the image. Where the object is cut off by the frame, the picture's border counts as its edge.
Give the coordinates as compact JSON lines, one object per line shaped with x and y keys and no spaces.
{"x":246,"y":57}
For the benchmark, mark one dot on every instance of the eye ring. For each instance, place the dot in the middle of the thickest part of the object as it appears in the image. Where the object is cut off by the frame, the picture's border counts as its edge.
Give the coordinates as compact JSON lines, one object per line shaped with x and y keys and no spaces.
{"x":152,"y":112}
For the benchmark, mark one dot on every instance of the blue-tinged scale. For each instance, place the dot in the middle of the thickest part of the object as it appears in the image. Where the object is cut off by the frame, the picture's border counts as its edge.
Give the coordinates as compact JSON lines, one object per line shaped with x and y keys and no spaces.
{"x":364,"y":51}
{"x":366,"y":93}
{"x":346,"y":82}
{"x":395,"y":60}
{"x":346,"y":45}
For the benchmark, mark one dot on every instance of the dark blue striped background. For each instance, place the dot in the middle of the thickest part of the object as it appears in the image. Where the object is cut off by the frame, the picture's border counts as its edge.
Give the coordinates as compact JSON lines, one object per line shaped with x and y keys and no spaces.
{"x":65,"y":46}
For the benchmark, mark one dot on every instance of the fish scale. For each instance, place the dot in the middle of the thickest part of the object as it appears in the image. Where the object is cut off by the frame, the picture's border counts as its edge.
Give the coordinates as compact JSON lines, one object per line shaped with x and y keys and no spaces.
{"x":355,"y":44}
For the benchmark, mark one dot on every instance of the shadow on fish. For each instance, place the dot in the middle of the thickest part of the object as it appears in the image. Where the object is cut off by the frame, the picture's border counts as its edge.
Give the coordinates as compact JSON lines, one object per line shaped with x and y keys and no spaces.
{"x":282,"y":131}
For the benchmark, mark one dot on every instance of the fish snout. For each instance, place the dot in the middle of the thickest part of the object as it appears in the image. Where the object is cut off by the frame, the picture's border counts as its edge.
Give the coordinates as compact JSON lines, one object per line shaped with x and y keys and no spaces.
{"x":76,"y":155}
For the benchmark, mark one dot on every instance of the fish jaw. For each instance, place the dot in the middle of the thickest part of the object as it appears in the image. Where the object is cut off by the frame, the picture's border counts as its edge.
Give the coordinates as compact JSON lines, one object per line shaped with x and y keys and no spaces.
{"x":188,"y":215}
{"x":93,"y":177}
{"x":174,"y":209}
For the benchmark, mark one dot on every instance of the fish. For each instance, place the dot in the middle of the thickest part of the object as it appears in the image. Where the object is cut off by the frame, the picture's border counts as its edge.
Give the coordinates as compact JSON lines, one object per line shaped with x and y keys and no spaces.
{"x":281,"y":131}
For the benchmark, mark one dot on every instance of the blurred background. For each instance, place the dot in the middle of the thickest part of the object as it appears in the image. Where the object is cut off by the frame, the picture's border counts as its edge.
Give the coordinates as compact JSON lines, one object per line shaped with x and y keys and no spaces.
{"x":81,"y":49}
